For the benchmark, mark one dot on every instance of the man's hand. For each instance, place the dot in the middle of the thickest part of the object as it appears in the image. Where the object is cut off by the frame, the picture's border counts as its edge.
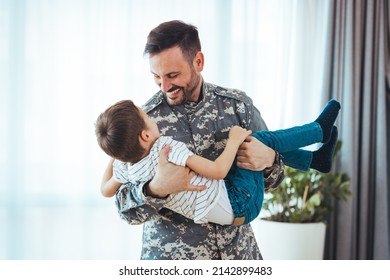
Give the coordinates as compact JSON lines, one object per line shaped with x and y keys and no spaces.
{"x":254,"y":155}
{"x":170,"y":178}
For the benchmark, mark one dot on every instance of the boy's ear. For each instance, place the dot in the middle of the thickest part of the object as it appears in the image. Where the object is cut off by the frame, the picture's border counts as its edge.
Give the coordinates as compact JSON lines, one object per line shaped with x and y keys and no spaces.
{"x":143,"y":136}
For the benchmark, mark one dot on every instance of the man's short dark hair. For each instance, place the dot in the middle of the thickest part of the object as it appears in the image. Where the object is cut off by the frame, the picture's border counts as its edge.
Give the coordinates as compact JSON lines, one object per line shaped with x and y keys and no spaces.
{"x":174,"y":33}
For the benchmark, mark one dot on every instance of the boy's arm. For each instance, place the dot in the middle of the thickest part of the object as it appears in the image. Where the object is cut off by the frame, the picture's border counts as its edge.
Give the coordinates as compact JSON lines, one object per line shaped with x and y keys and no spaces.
{"x":219,"y":168}
{"x":109,"y":185}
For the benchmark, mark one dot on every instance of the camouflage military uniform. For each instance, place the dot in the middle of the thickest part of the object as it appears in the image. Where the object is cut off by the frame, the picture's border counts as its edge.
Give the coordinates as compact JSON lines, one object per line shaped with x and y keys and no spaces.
{"x":204,"y":127}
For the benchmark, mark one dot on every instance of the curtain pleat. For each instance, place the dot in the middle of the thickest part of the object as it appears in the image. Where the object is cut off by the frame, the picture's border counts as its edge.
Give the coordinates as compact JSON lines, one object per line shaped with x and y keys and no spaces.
{"x":357,"y":74}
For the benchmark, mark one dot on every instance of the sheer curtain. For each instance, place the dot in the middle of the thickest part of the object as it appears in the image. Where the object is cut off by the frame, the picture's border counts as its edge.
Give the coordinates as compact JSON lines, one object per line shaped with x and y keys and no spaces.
{"x":63,"y":62}
{"x":276,"y":54}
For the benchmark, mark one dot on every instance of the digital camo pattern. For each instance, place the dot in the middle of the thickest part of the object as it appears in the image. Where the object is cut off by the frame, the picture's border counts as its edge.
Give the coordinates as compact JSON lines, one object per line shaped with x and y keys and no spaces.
{"x":204,"y":126}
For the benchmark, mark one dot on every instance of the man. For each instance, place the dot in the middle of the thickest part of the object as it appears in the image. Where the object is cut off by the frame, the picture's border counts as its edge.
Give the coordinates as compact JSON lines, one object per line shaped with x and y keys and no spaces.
{"x":199,"y":114}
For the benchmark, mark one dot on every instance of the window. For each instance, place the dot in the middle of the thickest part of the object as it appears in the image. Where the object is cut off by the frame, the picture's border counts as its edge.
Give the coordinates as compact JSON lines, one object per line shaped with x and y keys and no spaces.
{"x":64,"y":62}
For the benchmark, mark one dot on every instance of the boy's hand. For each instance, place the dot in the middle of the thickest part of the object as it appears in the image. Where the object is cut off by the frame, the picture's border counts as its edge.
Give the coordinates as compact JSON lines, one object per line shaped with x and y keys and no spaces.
{"x":238,"y":134}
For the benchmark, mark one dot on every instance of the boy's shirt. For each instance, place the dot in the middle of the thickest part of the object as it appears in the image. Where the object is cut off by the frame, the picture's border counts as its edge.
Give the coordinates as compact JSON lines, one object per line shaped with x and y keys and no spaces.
{"x":193,"y":205}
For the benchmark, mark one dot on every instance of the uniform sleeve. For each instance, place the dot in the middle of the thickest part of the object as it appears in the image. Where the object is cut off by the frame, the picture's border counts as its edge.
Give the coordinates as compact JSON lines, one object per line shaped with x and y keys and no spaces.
{"x":132,"y":204}
{"x":256,"y":123}
{"x":129,"y":200}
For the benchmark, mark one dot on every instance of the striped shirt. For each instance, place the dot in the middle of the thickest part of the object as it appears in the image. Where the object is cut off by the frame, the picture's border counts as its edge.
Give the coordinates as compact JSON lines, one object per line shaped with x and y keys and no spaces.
{"x":192,"y":204}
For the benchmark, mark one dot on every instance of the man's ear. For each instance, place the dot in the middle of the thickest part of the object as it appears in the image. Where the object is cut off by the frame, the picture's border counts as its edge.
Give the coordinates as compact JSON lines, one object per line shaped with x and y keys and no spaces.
{"x":199,"y":61}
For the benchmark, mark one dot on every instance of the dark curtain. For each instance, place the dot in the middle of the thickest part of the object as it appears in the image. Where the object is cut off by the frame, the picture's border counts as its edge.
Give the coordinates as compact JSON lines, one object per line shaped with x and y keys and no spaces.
{"x":358,"y":74}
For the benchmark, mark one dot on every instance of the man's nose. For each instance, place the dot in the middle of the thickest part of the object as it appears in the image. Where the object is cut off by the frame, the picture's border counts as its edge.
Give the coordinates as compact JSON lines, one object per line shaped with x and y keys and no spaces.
{"x":165,"y":85}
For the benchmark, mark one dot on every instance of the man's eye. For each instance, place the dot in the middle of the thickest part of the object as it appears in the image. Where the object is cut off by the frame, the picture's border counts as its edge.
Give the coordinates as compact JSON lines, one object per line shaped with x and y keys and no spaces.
{"x":171,"y":76}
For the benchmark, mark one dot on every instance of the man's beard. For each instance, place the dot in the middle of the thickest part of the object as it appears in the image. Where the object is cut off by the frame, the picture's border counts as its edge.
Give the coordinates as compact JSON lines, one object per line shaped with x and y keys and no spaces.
{"x":187,"y":93}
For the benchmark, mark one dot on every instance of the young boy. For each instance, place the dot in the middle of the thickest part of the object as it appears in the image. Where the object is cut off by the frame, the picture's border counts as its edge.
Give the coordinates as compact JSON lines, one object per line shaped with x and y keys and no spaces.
{"x":233,"y":195}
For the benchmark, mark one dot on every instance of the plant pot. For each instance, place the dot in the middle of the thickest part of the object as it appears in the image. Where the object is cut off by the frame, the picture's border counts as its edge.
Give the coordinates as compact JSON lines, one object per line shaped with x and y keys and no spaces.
{"x":290,"y":241}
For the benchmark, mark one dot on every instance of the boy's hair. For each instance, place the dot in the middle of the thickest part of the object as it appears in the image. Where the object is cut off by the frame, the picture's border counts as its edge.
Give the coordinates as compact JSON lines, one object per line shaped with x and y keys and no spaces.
{"x":174,"y":33}
{"x":117,"y":130}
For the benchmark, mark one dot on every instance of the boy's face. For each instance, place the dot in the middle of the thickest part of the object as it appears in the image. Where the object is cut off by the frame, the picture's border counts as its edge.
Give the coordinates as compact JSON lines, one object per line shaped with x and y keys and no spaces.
{"x":151,"y":126}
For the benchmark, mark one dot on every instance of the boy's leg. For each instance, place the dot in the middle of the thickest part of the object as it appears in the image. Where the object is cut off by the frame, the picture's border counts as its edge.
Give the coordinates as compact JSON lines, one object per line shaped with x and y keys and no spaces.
{"x":327,"y":118}
{"x":298,"y":159}
{"x":322,"y":158}
{"x":290,"y":139}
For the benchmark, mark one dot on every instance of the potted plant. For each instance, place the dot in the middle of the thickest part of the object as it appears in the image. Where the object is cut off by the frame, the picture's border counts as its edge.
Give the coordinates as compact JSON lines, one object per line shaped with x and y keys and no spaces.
{"x":302,"y":203}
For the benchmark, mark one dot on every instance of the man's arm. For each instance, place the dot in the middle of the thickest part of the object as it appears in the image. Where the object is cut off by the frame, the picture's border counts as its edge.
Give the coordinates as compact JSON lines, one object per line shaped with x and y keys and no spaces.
{"x":254,"y":155}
